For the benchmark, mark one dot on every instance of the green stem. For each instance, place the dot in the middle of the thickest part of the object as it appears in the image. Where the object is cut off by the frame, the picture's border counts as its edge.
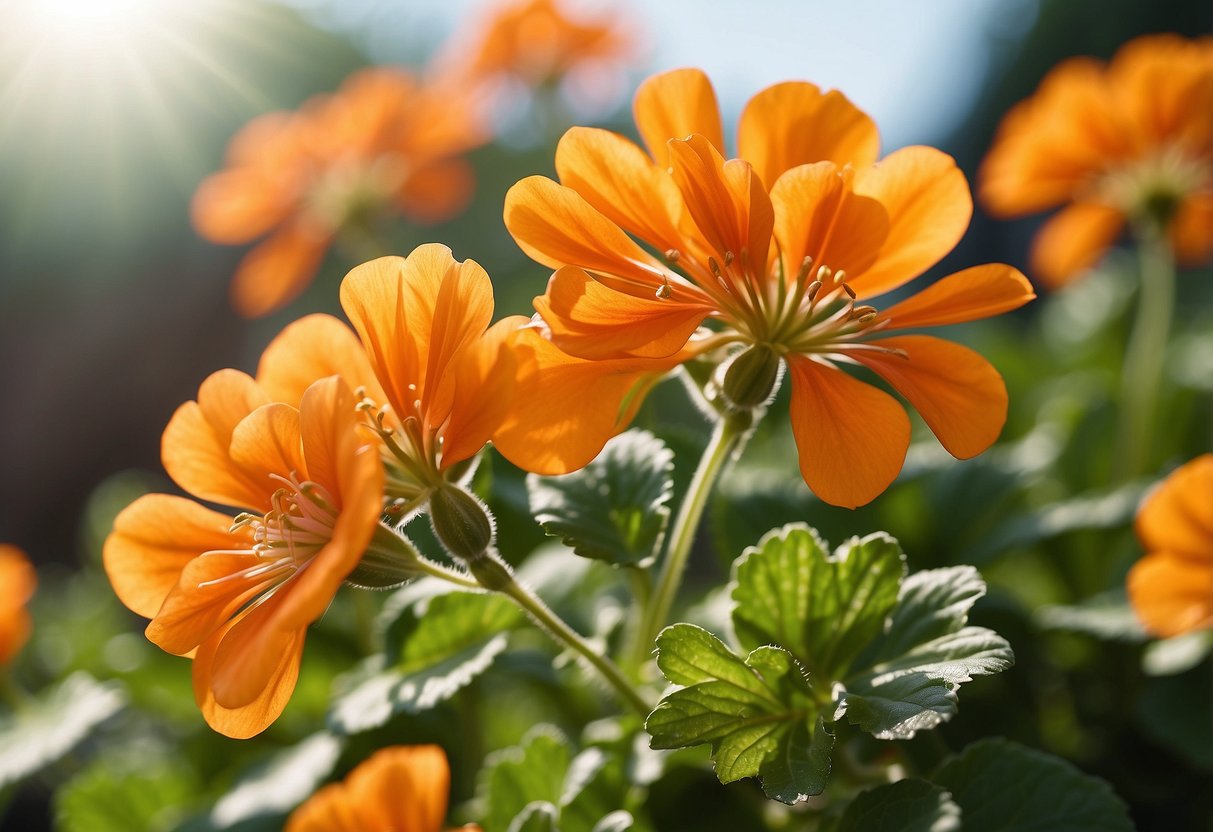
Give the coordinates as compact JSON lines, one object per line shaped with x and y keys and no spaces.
{"x":1145,"y":354}
{"x":435,"y":570}
{"x":726,"y":437}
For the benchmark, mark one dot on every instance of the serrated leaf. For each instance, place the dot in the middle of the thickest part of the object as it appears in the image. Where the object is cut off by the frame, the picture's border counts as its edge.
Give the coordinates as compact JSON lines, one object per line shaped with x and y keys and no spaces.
{"x":55,"y":723}
{"x":904,"y":806}
{"x":441,"y":643}
{"x":104,"y":799}
{"x":824,"y":609}
{"x":539,"y":816}
{"x":757,"y":713}
{"x":530,"y":773}
{"x":616,"y":508}
{"x":280,"y":783}
{"x":1002,"y":786}
{"x":595,"y":786}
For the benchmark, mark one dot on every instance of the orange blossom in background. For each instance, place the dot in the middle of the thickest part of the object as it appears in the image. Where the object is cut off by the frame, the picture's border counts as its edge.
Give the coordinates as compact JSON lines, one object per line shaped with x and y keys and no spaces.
{"x":17,"y":583}
{"x":778,"y":250}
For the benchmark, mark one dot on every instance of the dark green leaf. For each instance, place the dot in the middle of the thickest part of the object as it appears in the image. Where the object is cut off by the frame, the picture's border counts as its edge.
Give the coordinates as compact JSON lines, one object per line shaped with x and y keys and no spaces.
{"x":1106,"y":616}
{"x":904,"y":806}
{"x":616,"y":508}
{"x":1002,"y":786}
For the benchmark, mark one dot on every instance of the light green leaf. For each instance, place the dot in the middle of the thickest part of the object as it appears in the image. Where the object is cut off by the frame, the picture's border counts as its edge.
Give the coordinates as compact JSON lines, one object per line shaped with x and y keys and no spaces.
{"x":824,"y":609}
{"x":757,"y":713}
{"x":103,"y":798}
{"x":539,"y":816}
{"x":531,"y":773}
{"x":1002,"y":786}
{"x":617,"y":821}
{"x":55,"y":723}
{"x":616,"y":508}
{"x":595,"y":787}
{"x":279,"y":784}
{"x":905,"y":806}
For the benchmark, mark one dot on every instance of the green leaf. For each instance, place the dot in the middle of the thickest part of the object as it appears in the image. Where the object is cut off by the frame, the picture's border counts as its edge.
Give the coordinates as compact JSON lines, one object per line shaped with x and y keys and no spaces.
{"x":1002,"y":786}
{"x":758,"y":713}
{"x":280,"y":783}
{"x":616,"y":508}
{"x":440,"y":642}
{"x":1106,"y":616}
{"x":904,"y":806}
{"x":595,"y":787}
{"x":539,"y":816}
{"x":55,"y":723}
{"x":531,"y":773}
{"x":105,"y":799}
{"x":824,"y":609}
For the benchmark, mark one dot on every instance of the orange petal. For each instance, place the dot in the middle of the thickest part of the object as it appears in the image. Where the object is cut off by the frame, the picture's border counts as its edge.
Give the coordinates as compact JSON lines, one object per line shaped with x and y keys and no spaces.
{"x":328,"y":810}
{"x":210,"y":591}
{"x":1178,"y":515}
{"x":1191,"y":231}
{"x":437,"y":192}
{"x":279,"y":269}
{"x":794,"y":123}
{"x":1073,"y":241}
{"x":195,"y":448}
{"x":617,"y":179}
{"x":239,"y":205}
{"x":570,"y":407}
{"x":267,"y":443}
{"x":17,"y":583}
{"x":250,"y":654}
{"x":1172,"y":594}
{"x":929,"y":207}
{"x":851,"y":437}
{"x":404,"y":788}
{"x":975,"y":293}
{"x":589,"y":320}
{"x":555,"y":226}
{"x":254,"y":717}
{"x":959,"y":395}
{"x":153,"y":540}
{"x":818,"y":216}
{"x":1164,"y":84}
{"x":485,"y":385}
{"x":312,"y":348}
{"x":673,"y":105}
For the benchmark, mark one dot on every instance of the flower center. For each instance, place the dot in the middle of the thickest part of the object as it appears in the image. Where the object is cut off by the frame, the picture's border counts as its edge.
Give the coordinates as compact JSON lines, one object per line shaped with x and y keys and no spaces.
{"x":1152,"y":188}
{"x":297,"y":526}
{"x":353,"y":192}
{"x":410,"y":452}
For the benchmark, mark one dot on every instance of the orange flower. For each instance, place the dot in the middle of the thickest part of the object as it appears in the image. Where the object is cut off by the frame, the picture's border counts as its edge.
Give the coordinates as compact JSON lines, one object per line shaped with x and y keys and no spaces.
{"x":238,"y":594}
{"x":384,"y":143}
{"x":1171,"y":588}
{"x":1130,"y":141}
{"x":17,"y":583}
{"x":776,"y":248}
{"x":398,"y":789}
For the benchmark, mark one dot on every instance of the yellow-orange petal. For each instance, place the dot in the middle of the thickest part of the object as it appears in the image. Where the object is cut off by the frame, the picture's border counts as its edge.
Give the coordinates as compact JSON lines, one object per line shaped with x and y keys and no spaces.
{"x":249,"y":655}
{"x":153,"y":540}
{"x":1172,"y":594}
{"x":673,"y":105}
{"x":1073,"y":241}
{"x":267,"y":443}
{"x":195,"y":447}
{"x":555,"y":226}
{"x":818,"y":216}
{"x":927,"y":199}
{"x":620,"y":181}
{"x":278,"y":269}
{"x":485,"y":374}
{"x":240,"y":204}
{"x":17,"y":583}
{"x":1164,"y":84}
{"x":795,"y":123}
{"x":312,"y":348}
{"x":254,"y":717}
{"x":403,"y":787}
{"x":851,"y":437}
{"x":328,"y":810}
{"x":970,"y":295}
{"x":589,"y":320}
{"x":1178,"y":515}
{"x":437,"y":192}
{"x":958,"y":394}
{"x":1191,"y":230}
{"x":211,"y":589}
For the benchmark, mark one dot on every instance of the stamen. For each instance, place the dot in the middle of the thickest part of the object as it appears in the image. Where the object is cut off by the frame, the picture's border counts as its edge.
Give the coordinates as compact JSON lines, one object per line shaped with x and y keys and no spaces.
{"x":728,"y":259}
{"x":672,"y":254}
{"x":664,"y":291}
{"x":814,"y":288}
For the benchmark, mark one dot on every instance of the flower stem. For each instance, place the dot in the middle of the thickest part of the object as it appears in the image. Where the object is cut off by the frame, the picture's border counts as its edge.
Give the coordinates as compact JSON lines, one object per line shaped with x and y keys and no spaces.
{"x":726,"y":437}
{"x":1145,"y":354}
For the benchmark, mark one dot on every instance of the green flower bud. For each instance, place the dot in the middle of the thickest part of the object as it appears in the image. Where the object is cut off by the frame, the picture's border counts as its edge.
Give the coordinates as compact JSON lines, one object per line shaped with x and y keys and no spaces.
{"x":461,"y":522}
{"x":750,"y":378}
{"x":389,"y":561}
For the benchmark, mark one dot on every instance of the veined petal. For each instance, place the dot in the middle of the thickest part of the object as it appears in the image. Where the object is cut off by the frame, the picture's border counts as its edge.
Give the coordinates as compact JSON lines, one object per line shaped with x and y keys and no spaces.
{"x":240,"y":204}
{"x":620,"y":181}
{"x":555,"y":226}
{"x":929,"y":207}
{"x":485,"y":374}
{"x":959,"y":395}
{"x":402,"y":788}
{"x":312,"y":348}
{"x":817,"y":215}
{"x":975,"y":293}
{"x":589,"y":320}
{"x":851,"y":437}
{"x":1073,"y":241}
{"x":1172,"y":594}
{"x":250,"y":653}
{"x":254,"y":717}
{"x":195,"y":447}
{"x":795,"y":123}
{"x":267,"y":442}
{"x":673,"y":105}
{"x":153,"y":540}
{"x":1178,"y":515}
{"x":278,"y":269}
{"x":210,"y":591}
{"x":1191,"y":230}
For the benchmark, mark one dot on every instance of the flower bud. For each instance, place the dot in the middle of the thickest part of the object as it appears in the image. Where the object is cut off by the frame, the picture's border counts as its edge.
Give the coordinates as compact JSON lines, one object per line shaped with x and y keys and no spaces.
{"x":389,"y":561}
{"x":749,"y":379}
{"x":461,"y":522}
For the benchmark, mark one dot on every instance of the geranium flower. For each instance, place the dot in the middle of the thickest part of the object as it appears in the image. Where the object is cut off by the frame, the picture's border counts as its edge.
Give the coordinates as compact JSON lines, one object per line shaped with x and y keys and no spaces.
{"x":777,"y":249}
{"x":398,"y":789}
{"x":1129,"y":142}
{"x":385,"y":143}
{"x":1171,"y":588}
{"x":17,"y":583}
{"x":237,"y":594}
